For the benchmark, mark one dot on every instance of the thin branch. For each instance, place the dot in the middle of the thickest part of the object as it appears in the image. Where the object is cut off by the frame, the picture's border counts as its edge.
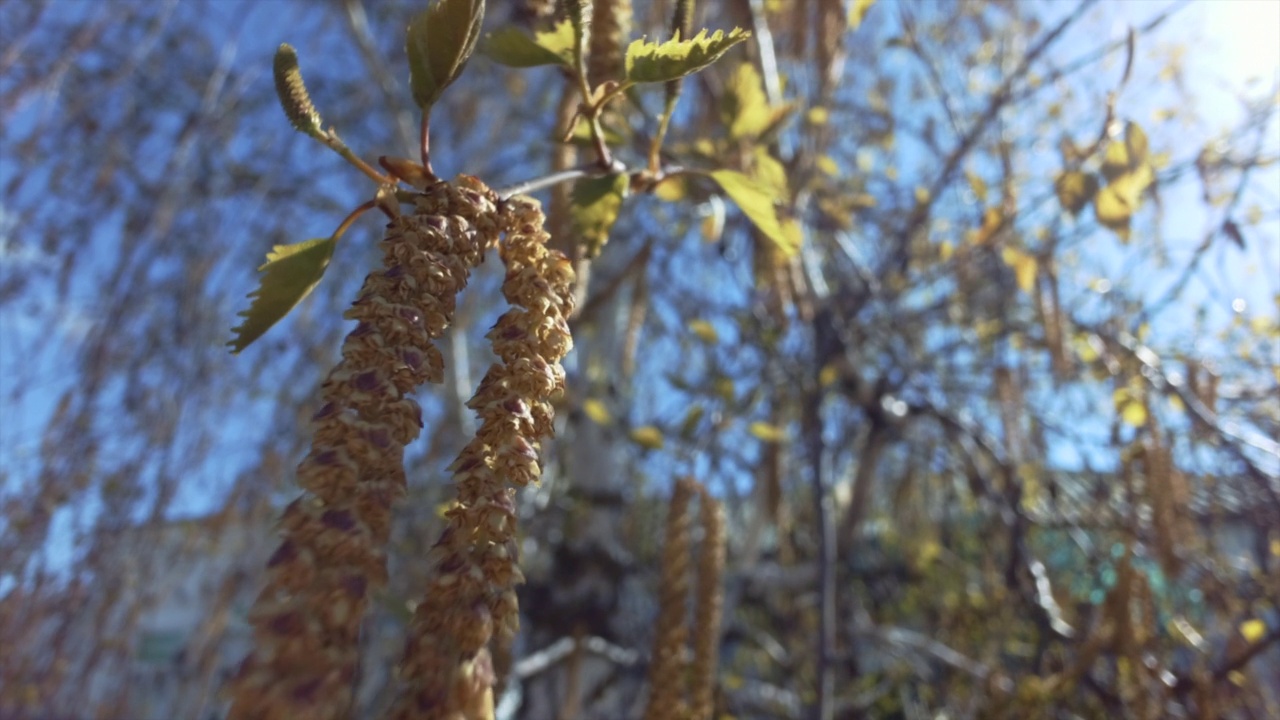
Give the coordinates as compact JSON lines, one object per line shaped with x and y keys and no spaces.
{"x":768,"y":58}
{"x":543,"y":660}
{"x":541,"y":183}
{"x":935,"y":78}
{"x":1098,"y":53}
{"x":358,"y":22}
{"x":1264,"y":134}
{"x":999,"y":99}
{"x":824,"y":511}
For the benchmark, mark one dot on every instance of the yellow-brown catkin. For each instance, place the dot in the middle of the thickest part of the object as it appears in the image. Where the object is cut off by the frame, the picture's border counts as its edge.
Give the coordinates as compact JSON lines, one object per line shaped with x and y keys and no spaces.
{"x":470,"y":599}
{"x":610,"y":31}
{"x":306,"y":622}
{"x":708,"y":605}
{"x":666,"y":672}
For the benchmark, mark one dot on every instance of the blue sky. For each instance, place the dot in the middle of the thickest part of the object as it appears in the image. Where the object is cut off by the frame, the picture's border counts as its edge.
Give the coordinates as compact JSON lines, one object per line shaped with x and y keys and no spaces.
{"x":1229,"y":42}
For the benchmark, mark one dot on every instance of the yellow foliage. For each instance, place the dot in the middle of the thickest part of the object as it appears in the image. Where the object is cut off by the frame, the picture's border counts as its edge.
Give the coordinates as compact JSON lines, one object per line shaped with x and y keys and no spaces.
{"x":705,"y":331}
{"x":648,"y":437}
{"x":597,"y":411}
{"x":670,"y":190}
{"x":858,"y":11}
{"x":1024,"y":267}
{"x":767,"y":432}
{"x":1129,"y":404}
{"x":1253,"y":630}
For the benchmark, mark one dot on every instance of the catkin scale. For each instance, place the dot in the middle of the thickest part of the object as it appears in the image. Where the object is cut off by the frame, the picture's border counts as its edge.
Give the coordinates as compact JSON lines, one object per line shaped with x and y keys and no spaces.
{"x":307,"y":619}
{"x":470,"y":600}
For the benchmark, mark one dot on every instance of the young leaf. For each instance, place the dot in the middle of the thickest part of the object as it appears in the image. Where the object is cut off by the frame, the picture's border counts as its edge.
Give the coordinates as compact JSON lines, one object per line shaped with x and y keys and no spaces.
{"x":1075,"y":189}
{"x":439,"y":42}
{"x":1130,"y":407}
{"x":291,"y":271}
{"x":597,"y":411}
{"x":673,"y":189}
{"x":743,"y":106}
{"x":1119,"y":200}
{"x":648,"y":437}
{"x":757,"y":204}
{"x":1135,"y":140}
{"x":770,"y":173}
{"x":651,"y":62}
{"x":1127,"y":156}
{"x":1024,"y":267}
{"x":594,"y":208}
{"x":705,"y":331}
{"x":767,"y":432}
{"x":512,"y":47}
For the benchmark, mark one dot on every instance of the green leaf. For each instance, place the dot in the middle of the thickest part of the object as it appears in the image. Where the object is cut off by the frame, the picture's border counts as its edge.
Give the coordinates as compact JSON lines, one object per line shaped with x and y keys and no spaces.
{"x":745,"y":110}
{"x":1130,"y":407}
{"x":291,"y":271}
{"x":1128,"y":155}
{"x":1121,"y":198}
{"x":744,"y":107}
{"x":689,"y":426}
{"x":439,"y":42}
{"x":648,"y":437}
{"x":1113,"y":212}
{"x":705,"y":331}
{"x":770,"y":173}
{"x":510,"y":46}
{"x":1024,"y":267}
{"x":597,"y":411}
{"x":594,"y":208}
{"x":757,"y":204}
{"x":1135,"y":139}
{"x":1115,"y":160}
{"x":767,"y":432}
{"x":651,"y":62}
{"x":1075,"y":189}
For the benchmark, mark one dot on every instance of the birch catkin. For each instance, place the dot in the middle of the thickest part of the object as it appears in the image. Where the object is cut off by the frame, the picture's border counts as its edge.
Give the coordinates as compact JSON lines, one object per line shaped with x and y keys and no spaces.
{"x":447,"y":667}
{"x":667,"y":696}
{"x":306,"y":622}
{"x":708,"y":608}
{"x":610,"y":31}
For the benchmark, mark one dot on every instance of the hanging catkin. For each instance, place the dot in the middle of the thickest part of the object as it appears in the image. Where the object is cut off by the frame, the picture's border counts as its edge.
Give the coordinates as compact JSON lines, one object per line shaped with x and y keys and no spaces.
{"x":448,"y":667}
{"x":306,"y":622}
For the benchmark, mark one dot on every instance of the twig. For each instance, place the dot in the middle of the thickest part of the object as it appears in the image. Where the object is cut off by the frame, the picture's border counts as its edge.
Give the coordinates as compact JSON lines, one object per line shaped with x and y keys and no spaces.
{"x":582,"y":171}
{"x":998,"y":101}
{"x":823,"y":511}
{"x":358,"y":21}
{"x":545,"y":659}
{"x":1264,"y":133}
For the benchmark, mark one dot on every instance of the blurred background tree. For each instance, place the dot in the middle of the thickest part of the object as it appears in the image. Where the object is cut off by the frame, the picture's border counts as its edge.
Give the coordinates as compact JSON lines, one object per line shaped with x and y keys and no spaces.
{"x":993,"y":414}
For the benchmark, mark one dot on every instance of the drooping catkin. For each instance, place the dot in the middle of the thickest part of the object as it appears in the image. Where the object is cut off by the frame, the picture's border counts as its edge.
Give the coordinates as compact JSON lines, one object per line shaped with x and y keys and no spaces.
{"x":666,"y":673}
{"x":1166,"y":492}
{"x":610,"y":30}
{"x":307,"y":620}
{"x":448,"y":667}
{"x":708,"y":605}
